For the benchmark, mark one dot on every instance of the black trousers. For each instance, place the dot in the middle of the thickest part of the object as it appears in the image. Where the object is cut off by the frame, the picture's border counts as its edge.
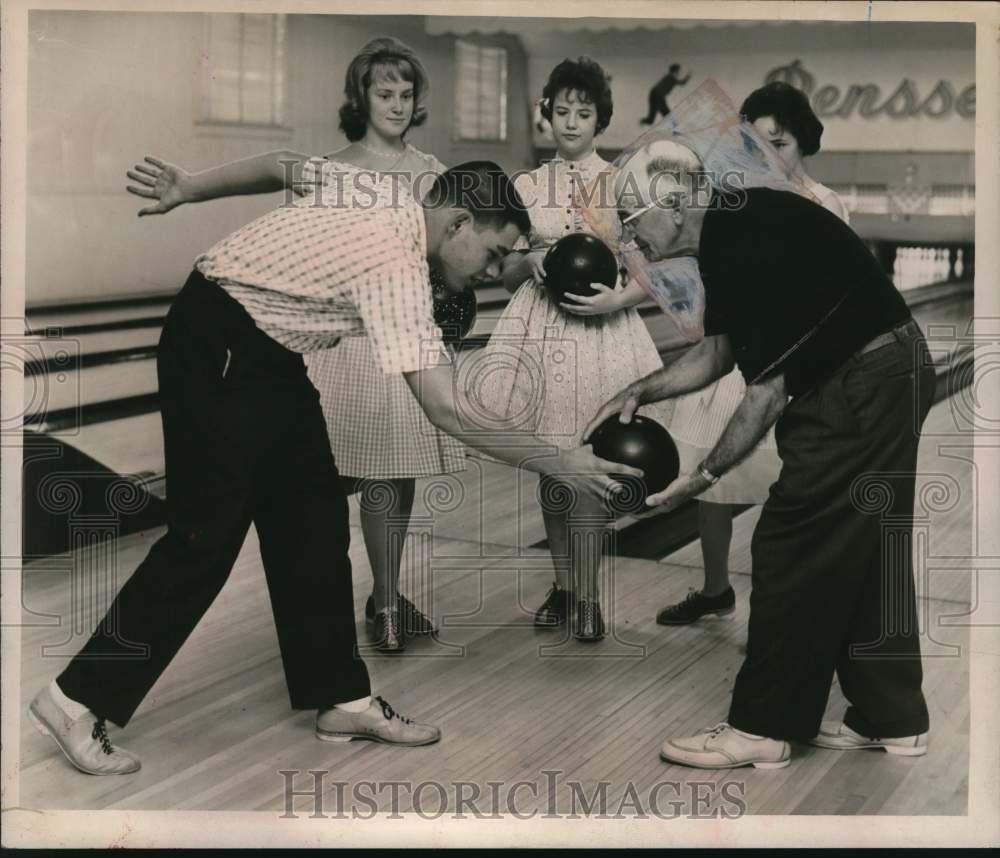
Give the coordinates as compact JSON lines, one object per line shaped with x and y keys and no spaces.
{"x":245,"y":441}
{"x":832,"y":571}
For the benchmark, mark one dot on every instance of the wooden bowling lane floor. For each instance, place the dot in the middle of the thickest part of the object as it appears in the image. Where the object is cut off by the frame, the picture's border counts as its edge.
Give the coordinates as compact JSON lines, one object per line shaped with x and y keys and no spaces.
{"x":513,"y":703}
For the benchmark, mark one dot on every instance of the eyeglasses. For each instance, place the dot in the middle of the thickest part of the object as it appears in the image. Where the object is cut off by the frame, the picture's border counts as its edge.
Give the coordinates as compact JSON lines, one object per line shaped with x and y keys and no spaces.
{"x":637,"y":214}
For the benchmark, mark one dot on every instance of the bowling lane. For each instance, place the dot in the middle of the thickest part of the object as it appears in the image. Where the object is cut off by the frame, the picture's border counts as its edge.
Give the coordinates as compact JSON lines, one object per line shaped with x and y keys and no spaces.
{"x":595,"y":713}
{"x":949,"y":324}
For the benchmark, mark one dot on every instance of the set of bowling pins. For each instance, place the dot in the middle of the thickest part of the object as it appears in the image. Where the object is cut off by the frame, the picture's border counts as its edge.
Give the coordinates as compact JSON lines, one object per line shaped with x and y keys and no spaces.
{"x":918,"y":266}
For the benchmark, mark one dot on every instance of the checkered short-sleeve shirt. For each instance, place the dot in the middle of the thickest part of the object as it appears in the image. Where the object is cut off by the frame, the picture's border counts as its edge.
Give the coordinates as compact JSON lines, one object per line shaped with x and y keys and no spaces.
{"x":324,"y":267}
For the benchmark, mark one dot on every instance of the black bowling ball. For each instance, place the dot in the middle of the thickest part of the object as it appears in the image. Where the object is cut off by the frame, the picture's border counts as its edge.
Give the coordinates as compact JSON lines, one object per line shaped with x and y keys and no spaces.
{"x":576,"y":261}
{"x":642,"y":444}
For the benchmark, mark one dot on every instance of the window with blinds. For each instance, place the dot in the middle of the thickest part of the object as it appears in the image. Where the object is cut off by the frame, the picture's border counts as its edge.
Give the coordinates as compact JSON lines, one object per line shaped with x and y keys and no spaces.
{"x":243,"y":80}
{"x":480,"y":92}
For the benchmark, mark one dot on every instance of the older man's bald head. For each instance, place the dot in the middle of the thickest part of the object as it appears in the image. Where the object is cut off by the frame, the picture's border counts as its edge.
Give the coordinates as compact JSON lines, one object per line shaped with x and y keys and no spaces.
{"x":656,"y":193}
{"x":656,"y":170}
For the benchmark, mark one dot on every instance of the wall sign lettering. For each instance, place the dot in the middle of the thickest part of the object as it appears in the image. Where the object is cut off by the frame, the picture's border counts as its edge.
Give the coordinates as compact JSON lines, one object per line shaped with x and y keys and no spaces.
{"x":868,"y":100}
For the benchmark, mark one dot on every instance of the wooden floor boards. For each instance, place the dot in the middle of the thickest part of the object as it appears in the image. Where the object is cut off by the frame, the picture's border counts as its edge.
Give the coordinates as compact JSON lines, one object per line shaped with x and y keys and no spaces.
{"x":513,"y":703}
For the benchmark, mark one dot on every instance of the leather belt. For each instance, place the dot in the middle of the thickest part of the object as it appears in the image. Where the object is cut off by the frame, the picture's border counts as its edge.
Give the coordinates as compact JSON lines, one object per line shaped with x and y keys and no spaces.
{"x":895,"y":335}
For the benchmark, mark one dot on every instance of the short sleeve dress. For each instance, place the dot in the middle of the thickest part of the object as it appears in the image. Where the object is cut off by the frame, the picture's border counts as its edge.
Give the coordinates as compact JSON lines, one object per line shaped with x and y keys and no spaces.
{"x":700,"y":417}
{"x":377,"y":429}
{"x":546,"y":371}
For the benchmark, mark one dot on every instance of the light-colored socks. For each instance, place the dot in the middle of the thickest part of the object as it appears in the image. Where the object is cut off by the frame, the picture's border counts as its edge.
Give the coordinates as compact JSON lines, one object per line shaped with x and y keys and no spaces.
{"x":359,"y":705}
{"x":75,"y":711}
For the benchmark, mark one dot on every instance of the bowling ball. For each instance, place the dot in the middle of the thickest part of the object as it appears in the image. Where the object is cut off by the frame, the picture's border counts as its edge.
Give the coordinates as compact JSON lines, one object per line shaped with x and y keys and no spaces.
{"x":642,"y":444}
{"x":455,"y":314}
{"x":576,"y":261}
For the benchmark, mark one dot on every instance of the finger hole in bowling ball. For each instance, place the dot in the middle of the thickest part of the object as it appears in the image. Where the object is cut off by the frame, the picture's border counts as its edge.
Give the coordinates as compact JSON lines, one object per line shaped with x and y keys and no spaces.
{"x":631,"y":499}
{"x":642,"y":444}
{"x":576,"y":261}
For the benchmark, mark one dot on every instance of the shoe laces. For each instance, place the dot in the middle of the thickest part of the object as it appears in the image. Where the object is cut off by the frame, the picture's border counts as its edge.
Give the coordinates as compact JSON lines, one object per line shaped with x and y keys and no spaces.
{"x":717,"y":730}
{"x":692,"y":597}
{"x":100,"y":734}
{"x":410,"y":611}
{"x":389,"y":713}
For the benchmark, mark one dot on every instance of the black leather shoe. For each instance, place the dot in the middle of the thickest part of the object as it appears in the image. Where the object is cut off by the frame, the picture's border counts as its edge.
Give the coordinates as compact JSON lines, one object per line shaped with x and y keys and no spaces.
{"x":415,"y":621}
{"x":697,"y":605}
{"x":589,"y":625}
{"x":387,"y":633}
{"x":555,"y":609}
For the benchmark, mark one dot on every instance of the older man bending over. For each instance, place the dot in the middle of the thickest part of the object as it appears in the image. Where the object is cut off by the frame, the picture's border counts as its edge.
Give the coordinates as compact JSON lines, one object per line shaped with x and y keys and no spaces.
{"x":795,"y":299}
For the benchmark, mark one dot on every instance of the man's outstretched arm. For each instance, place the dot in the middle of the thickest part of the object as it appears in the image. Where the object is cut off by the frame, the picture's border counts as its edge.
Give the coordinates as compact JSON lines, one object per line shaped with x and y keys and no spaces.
{"x":761,"y":407}
{"x":710,"y":359}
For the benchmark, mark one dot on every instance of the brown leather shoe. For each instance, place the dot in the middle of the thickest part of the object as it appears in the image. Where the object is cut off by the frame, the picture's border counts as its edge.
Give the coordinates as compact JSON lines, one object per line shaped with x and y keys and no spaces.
{"x":379,"y":722}
{"x":84,"y":741}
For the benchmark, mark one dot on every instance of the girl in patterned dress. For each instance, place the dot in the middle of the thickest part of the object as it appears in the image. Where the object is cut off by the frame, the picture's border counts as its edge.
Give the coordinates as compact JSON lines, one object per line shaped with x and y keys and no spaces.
{"x":782,"y":115}
{"x":548,"y":367}
{"x":380,"y":437}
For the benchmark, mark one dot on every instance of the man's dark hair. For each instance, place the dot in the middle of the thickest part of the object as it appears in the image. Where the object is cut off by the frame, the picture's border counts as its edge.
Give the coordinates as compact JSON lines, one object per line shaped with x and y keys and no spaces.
{"x":790,"y":108}
{"x":588,"y":80}
{"x":484,"y":190}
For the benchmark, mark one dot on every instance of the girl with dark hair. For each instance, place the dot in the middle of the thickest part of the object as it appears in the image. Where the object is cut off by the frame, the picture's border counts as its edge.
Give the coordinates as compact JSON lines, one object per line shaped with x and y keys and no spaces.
{"x":781,"y":115}
{"x":549,"y":367}
{"x":380,"y":437}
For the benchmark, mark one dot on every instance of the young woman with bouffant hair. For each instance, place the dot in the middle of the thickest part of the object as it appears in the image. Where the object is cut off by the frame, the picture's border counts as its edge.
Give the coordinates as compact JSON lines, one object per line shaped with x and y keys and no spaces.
{"x":379,"y":435}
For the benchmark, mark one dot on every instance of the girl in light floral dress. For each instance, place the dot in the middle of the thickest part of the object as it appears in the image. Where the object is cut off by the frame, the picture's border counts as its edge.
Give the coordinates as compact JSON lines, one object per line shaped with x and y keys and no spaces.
{"x":548,"y":367}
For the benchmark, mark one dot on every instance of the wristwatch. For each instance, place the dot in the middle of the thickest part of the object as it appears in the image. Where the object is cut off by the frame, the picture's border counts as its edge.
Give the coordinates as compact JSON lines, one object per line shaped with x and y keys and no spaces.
{"x":707,"y":474}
